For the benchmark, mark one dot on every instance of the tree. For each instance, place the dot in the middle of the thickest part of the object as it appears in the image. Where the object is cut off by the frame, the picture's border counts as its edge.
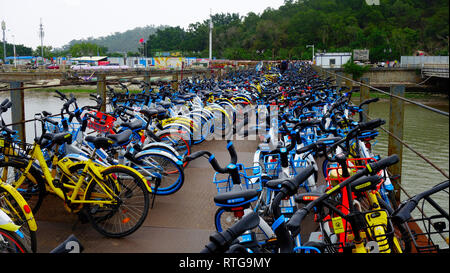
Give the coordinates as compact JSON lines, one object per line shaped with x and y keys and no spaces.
{"x":47,"y":50}
{"x":87,"y":49}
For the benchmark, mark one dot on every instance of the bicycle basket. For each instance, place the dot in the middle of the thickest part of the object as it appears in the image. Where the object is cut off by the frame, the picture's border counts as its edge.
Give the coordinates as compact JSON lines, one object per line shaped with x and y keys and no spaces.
{"x":334,"y":170}
{"x":14,"y":148}
{"x":296,"y":165}
{"x":272,"y":165}
{"x":103,"y":125}
{"x":250,"y":179}
{"x":49,"y":127}
{"x":428,"y":234}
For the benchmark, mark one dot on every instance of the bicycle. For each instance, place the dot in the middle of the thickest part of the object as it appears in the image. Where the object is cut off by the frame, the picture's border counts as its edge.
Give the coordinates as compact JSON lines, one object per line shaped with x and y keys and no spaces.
{"x":363,"y":226}
{"x":114,"y":199}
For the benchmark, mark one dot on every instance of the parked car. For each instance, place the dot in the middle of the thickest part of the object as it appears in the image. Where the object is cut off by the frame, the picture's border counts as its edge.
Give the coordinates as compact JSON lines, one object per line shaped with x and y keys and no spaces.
{"x":52,"y":66}
{"x":80,"y":66}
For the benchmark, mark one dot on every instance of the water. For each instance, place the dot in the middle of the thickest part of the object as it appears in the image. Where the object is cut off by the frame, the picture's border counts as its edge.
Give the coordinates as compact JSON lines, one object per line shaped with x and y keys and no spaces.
{"x":38,"y":101}
{"x":427,"y":133}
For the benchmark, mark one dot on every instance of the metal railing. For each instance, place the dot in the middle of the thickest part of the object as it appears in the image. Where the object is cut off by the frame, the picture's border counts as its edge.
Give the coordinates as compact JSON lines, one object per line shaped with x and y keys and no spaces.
{"x":398,"y":139}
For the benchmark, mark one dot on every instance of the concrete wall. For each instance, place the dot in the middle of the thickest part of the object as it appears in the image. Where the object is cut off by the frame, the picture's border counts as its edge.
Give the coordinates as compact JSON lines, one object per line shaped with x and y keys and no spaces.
{"x":379,"y":76}
{"x":387,"y":76}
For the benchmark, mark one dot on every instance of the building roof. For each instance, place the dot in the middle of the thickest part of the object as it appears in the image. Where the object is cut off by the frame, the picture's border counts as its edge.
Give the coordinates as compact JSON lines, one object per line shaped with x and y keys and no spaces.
{"x":90,"y":58}
{"x":334,"y":54}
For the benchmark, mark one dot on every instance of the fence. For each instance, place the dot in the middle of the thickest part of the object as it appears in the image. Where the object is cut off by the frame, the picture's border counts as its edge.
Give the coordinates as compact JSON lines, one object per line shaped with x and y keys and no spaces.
{"x":419,"y":61}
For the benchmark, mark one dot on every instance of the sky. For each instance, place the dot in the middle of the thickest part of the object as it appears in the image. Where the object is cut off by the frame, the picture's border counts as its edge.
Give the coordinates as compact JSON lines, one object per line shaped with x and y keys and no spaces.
{"x":65,"y":20}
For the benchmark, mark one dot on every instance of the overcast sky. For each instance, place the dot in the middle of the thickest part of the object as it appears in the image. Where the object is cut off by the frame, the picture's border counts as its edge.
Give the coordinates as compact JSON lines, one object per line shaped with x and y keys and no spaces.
{"x":64,"y":20}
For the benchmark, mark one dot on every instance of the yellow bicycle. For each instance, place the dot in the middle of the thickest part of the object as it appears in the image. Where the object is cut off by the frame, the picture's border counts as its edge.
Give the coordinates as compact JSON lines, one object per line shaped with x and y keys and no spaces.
{"x":114,"y":199}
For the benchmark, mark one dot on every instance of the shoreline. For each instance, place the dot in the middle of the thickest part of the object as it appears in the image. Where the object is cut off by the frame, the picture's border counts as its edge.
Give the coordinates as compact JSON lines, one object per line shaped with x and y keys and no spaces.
{"x":422,"y":97}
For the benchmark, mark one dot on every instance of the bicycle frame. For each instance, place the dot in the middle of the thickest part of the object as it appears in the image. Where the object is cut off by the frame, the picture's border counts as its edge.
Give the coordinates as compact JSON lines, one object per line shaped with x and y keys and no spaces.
{"x":77,"y":196}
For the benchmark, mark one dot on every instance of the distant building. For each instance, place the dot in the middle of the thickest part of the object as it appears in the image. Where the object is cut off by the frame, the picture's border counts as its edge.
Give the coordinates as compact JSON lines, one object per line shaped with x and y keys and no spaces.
{"x":92,"y":60}
{"x":21,"y":60}
{"x":332,"y":60}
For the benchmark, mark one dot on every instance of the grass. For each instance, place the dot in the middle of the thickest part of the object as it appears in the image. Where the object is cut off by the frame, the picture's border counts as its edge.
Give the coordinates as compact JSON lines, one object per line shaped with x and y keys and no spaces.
{"x":408,"y":95}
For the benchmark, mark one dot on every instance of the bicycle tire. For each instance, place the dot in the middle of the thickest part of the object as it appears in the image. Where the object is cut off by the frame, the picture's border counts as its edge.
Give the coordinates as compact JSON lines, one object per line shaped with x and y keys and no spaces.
{"x":10,"y":242}
{"x":224,"y":219}
{"x":163,"y":165}
{"x":118,"y":220}
{"x":32,"y":189}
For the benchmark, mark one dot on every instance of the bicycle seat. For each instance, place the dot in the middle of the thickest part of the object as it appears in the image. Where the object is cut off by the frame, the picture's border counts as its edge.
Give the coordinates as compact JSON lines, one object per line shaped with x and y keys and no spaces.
{"x":162,"y":113}
{"x":133,"y":125}
{"x":165,"y":104}
{"x":235,"y":197}
{"x":100,"y":142}
{"x":179,"y":102}
{"x":186,"y":96}
{"x":59,"y":138}
{"x":121,"y":138}
{"x":328,"y":140}
{"x":149,"y":112}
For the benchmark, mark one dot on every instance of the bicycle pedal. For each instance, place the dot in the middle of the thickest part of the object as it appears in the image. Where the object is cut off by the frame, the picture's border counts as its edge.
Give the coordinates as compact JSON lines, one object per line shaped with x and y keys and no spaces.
{"x":82,"y":218}
{"x":57,"y":183}
{"x":94,"y":209}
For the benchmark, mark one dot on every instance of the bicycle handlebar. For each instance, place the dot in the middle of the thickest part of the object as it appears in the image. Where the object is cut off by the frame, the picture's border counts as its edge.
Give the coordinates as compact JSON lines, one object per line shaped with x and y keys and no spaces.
{"x":212,"y":158}
{"x":220,"y":242}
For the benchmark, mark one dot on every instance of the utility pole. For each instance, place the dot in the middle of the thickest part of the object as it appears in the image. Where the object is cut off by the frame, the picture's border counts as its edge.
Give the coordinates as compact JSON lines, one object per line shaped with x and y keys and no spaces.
{"x":41,"y":36}
{"x":210,"y":35}
{"x":4,"y":41}
{"x":14,"y":49}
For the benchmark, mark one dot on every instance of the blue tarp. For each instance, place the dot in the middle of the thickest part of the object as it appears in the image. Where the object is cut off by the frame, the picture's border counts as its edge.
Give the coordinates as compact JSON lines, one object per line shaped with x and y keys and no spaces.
{"x":20,"y":57}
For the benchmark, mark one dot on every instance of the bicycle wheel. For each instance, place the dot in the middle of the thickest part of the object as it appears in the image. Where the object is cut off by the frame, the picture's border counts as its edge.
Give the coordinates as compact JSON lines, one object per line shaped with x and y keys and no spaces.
{"x":32,"y":188}
{"x":12,"y":208}
{"x":179,"y":143}
{"x":161,"y":170}
{"x":129,"y":209}
{"x":10,"y":242}
{"x":224,"y":219}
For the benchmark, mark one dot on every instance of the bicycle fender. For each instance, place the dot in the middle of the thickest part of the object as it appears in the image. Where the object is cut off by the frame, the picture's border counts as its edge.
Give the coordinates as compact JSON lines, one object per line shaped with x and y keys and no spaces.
{"x":79,"y":157}
{"x":157,"y":145}
{"x":184,"y":134}
{"x":6,"y":222}
{"x":134,"y":171}
{"x":23,"y":205}
{"x":159,"y":152}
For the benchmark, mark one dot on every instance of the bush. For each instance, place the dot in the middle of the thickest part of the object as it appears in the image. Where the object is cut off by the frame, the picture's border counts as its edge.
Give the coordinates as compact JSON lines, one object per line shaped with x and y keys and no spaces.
{"x":355,"y":69}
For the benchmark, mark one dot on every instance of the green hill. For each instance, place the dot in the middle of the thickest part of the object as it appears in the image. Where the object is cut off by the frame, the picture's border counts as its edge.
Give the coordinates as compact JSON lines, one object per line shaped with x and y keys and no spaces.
{"x":127,"y":41}
{"x":389,"y":30}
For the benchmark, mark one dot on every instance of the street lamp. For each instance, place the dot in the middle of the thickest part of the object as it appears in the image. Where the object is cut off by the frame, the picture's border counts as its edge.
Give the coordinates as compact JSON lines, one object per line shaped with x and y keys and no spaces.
{"x":307,"y":46}
{"x":4,"y":41}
